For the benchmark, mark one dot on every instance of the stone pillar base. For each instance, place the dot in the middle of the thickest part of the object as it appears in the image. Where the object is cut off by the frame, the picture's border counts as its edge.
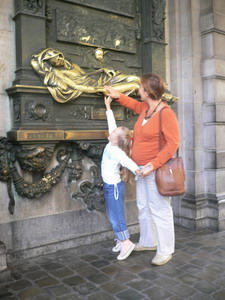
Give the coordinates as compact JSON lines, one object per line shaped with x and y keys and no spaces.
{"x":4,"y":272}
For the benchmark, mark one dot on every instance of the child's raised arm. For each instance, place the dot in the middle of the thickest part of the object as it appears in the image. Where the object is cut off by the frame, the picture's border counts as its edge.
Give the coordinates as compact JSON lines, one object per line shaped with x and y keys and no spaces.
{"x":110,"y":116}
{"x":108,"y":101}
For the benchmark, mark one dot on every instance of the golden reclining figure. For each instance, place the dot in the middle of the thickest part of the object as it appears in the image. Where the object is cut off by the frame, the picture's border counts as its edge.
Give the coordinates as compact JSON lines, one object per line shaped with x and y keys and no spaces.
{"x":67,"y":81}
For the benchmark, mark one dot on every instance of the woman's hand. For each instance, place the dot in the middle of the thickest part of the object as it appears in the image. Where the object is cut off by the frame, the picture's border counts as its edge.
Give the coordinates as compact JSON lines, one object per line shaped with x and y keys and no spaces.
{"x":148,"y":168}
{"x":108,"y":101}
{"x":111,"y":92}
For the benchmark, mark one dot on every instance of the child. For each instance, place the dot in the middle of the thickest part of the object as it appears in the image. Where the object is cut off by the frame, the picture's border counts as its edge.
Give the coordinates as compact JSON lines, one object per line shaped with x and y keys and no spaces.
{"x":115,"y":155}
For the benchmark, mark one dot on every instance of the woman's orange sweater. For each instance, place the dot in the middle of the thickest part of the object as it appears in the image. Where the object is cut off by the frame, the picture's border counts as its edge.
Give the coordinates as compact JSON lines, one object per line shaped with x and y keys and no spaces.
{"x":145,"y":147}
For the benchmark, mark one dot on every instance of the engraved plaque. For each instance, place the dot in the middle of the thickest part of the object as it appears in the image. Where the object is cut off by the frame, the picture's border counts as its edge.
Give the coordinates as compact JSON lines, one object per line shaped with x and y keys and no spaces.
{"x":99,"y":113}
{"x":38,"y":135}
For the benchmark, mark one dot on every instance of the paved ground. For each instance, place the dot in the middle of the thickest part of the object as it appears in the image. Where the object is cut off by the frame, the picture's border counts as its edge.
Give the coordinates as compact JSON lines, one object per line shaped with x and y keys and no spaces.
{"x":196,"y":272}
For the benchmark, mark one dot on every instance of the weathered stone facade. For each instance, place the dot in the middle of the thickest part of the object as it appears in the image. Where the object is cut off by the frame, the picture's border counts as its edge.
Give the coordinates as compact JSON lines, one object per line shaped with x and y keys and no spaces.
{"x":196,"y":35}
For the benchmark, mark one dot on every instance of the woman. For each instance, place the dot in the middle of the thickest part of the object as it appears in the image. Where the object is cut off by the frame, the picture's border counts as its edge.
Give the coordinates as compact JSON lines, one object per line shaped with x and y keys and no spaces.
{"x":155,"y":211}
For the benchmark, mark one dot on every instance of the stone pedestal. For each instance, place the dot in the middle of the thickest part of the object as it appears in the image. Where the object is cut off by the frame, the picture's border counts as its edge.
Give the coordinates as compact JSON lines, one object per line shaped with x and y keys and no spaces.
{"x":4,"y":272}
{"x":3,"y":265}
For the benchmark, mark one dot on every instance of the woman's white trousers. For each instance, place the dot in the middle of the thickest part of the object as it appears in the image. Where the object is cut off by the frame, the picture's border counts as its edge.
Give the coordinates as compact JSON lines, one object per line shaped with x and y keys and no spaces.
{"x":155,"y":216}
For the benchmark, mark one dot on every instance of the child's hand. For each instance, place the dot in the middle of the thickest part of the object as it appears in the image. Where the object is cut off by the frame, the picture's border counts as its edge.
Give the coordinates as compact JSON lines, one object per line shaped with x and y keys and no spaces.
{"x":138,"y":172}
{"x":108,"y":101}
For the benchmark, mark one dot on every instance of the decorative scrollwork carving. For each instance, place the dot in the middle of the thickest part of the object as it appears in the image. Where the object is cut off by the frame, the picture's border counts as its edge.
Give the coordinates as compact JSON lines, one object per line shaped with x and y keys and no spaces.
{"x":49,"y":179}
{"x":158,"y":16}
{"x":74,"y":166}
{"x":33,"y":157}
{"x":33,"y":5}
{"x":5,"y":175}
{"x":37,"y":110}
{"x":5,"y":147}
{"x":93,"y":151}
{"x":92,"y":192}
{"x":81,"y":113}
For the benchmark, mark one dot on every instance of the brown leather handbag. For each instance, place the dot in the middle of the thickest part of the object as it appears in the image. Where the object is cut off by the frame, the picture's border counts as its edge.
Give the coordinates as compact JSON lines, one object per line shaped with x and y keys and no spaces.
{"x":170,"y":178}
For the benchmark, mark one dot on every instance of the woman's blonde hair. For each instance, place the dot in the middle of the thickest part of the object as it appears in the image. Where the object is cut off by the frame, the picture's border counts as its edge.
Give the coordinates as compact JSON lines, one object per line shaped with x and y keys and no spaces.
{"x":125,"y":143}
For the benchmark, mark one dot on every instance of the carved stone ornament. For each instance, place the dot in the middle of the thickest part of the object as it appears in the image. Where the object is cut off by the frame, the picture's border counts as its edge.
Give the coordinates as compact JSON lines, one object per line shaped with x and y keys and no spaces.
{"x":37,"y":110}
{"x":74,"y":166}
{"x":123,"y":7}
{"x":33,"y":5}
{"x":158,"y":16}
{"x":36,"y":158}
{"x":80,"y":27}
{"x":45,"y":184}
{"x":92,"y":193}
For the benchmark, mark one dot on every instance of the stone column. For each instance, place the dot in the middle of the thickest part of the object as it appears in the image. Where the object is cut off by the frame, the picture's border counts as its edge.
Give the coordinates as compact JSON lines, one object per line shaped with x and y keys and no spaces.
{"x":213,"y":78}
{"x":30,"y":22}
{"x":153,"y":44}
{"x":196,"y":64}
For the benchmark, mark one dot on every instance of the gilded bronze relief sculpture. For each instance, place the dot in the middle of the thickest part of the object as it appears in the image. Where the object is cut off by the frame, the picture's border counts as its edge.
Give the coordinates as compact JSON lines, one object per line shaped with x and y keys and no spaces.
{"x":67,"y":81}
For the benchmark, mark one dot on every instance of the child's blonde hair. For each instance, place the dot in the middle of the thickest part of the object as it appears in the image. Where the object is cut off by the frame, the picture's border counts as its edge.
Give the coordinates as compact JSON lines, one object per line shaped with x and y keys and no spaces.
{"x":125,"y":143}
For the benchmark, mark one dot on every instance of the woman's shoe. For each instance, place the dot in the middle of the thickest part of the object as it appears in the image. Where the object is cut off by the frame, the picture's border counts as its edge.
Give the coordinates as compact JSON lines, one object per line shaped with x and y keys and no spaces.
{"x":139,"y":247}
{"x":127,"y":248}
{"x":160,"y":259}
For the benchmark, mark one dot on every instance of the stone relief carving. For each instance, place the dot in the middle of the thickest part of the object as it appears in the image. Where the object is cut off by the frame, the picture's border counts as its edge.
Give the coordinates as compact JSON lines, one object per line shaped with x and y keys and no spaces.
{"x":36,"y":158}
{"x":97,"y":30}
{"x":17,"y":107}
{"x":123,"y":7}
{"x":91,"y":192}
{"x":33,"y":5}
{"x":38,"y":110}
{"x":158,"y":16}
{"x":48,"y":180}
{"x":74,"y":166}
{"x":81,"y":113}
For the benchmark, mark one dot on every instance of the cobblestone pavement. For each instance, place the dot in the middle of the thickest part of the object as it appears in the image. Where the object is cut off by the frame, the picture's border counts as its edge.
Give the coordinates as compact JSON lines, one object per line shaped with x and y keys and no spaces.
{"x":196,"y":272}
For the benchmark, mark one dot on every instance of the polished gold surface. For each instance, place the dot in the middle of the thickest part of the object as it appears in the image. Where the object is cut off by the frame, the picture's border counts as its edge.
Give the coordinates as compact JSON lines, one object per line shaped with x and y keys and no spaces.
{"x":66,"y":81}
{"x":99,"y":54}
{"x":36,"y":135}
{"x":86,"y":134}
{"x":26,"y":89}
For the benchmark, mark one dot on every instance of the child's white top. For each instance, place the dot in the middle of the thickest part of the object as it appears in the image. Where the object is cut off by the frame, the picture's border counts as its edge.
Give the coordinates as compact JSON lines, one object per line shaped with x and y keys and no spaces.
{"x":114,"y":157}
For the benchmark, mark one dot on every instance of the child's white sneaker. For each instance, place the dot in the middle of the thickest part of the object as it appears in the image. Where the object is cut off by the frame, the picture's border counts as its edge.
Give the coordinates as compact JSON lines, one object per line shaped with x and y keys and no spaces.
{"x":126,"y":249}
{"x":118,"y":246}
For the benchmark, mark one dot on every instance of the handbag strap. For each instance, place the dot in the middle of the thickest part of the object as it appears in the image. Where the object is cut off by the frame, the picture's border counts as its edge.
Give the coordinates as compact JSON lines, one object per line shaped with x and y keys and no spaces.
{"x":160,"y":130}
